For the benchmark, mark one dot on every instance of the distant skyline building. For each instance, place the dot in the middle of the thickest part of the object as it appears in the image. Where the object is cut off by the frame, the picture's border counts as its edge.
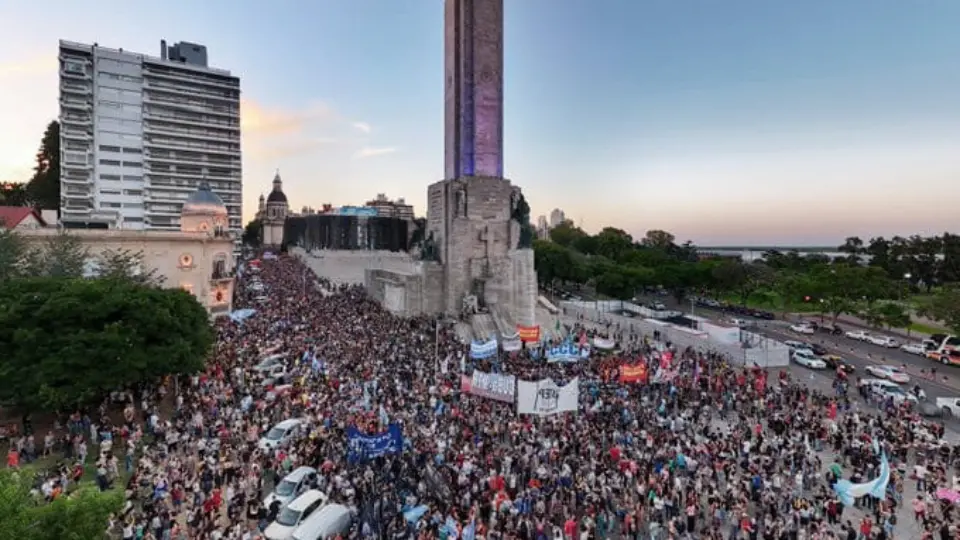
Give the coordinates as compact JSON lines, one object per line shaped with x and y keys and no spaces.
{"x":391,"y":208}
{"x":140,"y":133}
{"x":543,"y":228}
{"x":557,"y":217}
{"x":473,"y":111}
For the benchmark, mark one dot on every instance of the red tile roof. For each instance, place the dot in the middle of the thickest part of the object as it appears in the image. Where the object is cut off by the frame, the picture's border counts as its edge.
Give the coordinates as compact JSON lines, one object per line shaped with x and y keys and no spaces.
{"x":11,"y":216}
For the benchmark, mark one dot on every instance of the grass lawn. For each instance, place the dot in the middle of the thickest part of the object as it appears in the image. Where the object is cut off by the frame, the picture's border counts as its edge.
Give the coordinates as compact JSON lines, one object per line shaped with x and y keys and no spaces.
{"x":47,"y":464}
{"x":926,"y":328}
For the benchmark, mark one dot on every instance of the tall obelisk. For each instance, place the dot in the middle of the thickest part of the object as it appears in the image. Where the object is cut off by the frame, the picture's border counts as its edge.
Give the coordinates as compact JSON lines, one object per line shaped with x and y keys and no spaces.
{"x":473,"y":69}
{"x":474,"y":214}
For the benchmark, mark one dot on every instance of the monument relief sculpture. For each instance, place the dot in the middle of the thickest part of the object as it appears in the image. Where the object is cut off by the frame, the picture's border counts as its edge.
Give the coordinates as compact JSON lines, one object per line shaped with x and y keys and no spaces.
{"x":470,"y":304}
{"x":428,"y":249}
{"x":521,"y":214}
{"x":461,"y":202}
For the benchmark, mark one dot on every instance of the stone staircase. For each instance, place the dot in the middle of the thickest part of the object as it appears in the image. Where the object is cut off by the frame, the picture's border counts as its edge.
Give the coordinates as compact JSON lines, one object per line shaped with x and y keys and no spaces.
{"x":464,"y":332}
{"x":503,"y":321}
{"x":483,"y":326}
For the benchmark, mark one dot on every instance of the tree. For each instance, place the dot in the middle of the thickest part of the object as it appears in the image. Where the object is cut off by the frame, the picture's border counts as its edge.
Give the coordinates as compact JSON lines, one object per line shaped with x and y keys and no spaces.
{"x":68,"y":342}
{"x":12,"y":253}
{"x":62,"y":255}
{"x":853,"y":247}
{"x":566,"y":233}
{"x":613,"y":243}
{"x":252,"y":233}
{"x":81,"y":514}
{"x":659,"y":239}
{"x":44,"y":187}
{"x":14,"y":194}
{"x":124,"y":264}
{"x":945,"y":307}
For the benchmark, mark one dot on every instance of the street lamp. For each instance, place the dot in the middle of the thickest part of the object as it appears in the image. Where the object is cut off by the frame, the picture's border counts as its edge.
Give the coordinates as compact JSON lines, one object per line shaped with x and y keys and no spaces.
{"x":906,"y":278}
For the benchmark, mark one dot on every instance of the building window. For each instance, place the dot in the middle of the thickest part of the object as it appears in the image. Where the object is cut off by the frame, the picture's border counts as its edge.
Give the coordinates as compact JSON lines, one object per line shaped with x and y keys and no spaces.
{"x":132,"y":164}
{"x":105,"y":148}
{"x":110,"y":162}
{"x":187,"y":287}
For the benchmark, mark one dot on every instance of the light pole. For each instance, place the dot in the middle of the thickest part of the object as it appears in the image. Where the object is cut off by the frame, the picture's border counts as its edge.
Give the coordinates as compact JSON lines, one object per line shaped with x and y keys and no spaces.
{"x":906,"y":279}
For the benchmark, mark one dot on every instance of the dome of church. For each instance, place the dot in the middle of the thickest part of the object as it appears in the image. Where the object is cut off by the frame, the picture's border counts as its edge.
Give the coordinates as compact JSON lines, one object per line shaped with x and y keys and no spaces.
{"x":277,"y":197}
{"x":204,"y":201}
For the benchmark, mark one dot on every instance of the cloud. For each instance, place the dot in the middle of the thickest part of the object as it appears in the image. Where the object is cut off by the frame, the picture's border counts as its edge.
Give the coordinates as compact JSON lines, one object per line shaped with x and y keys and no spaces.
{"x":41,"y":64}
{"x":368,"y":152}
{"x":362,"y":127}
{"x":260,"y":120}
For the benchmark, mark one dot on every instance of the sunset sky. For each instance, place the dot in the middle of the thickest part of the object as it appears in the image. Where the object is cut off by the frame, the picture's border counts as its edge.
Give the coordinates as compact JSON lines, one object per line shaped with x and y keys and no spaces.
{"x":750,"y":122}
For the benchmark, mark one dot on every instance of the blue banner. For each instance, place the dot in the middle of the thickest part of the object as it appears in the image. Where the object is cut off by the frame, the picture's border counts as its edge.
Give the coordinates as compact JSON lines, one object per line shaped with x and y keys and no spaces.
{"x":483,"y":349}
{"x":362,"y":447}
{"x":568,"y":352}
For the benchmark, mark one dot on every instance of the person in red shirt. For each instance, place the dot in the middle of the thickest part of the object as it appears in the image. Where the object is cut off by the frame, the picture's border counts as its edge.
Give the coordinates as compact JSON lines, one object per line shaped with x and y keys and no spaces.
{"x":866,"y":526}
{"x":570,"y":528}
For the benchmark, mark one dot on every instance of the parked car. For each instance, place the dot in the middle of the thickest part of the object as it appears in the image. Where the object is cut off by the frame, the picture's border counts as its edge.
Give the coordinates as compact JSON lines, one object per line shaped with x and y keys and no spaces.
{"x":294,"y":513}
{"x":282,"y":434}
{"x":887,"y":389}
{"x":332,"y":521}
{"x":837,"y":362}
{"x":889,"y":372}
{"x":807,"y":359}
{"x":269,"y":363}
{"x":884,"y":341}
{"x":950,"y":407}
{"x":858,"y":335}
{"x":292,"y":485}
{"x":914,"y":348}
{"x":794,"y":345}
{"x":802,"y":328}
{"x":817,"y":349}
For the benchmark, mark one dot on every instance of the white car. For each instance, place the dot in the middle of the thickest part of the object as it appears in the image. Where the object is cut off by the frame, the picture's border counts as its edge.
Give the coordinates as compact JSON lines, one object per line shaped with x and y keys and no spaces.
{"x":292,"y":485}
{"x":890,"y":373}
{"x":914,"y":348}
{"x":884,"y":341}
{"x":802,"y":328}
{"x":950,"y":407}
{"x":294,"y":513}
{"x":806,"y":358}
{"x":269,"y":363}
{"x":794,"y":345}
{"x":888,"y":389}
{"x":282,"y":434}
{"x":858,"y":335}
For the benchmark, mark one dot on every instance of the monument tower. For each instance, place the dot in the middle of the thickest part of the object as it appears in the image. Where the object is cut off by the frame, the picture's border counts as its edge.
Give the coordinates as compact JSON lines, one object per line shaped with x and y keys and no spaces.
{"x":478,"y":224}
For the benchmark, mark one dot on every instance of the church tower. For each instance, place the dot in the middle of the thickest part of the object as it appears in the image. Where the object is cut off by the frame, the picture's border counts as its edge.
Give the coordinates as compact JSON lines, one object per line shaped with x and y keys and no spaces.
{"x":275,"y":215}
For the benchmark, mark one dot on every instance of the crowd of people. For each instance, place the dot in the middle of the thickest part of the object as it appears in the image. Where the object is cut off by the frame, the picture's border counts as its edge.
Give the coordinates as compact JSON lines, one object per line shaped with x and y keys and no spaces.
{"x":714,"y":450}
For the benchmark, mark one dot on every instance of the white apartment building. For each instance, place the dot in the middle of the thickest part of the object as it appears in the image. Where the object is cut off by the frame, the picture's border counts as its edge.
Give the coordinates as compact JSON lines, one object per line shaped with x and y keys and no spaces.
{"x":139,"y":133}
{"x":557,"y":217}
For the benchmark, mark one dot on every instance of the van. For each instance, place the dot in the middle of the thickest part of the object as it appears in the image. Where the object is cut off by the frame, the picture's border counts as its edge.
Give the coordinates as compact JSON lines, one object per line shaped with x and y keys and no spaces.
{"x":330,"y":521}
{"x":295,"y":513}
{"x":281,"y":434}
{"x":292,"y":485}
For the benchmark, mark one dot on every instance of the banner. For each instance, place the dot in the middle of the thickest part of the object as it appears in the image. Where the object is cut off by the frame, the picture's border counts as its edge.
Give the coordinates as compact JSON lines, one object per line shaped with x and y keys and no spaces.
{"x":568,"y":352}
{"x":512,"y":344}
{"x":633,"y":374}
{"x":361,"y":447}
{"x":544,"y":397}
{"x":602,"y":343}
{"x":490,"y":385}
{"x":529,"y":334}
{"x":483,"y":349}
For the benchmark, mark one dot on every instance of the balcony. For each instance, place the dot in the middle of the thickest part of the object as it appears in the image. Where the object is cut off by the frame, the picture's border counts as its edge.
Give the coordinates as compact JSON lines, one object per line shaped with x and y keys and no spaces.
{"x":75,"y":75}
{"x":76,"y":105}
{"x":79,"y":89}
{"x":76,"y":134}
{"x":76,"y":120}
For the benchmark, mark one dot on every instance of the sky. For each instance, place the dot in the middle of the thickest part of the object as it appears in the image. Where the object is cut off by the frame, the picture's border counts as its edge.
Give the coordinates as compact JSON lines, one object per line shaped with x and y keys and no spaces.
{"x":742,"y":122}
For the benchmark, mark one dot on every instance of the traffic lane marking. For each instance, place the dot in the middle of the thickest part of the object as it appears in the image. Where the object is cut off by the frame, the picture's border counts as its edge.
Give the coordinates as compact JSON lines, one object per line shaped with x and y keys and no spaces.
{"x":944,"y":383}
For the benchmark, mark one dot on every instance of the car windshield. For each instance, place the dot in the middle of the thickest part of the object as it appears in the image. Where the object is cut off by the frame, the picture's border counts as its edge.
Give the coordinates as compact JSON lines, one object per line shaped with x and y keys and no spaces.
{"x":285,"y":488}
{"x":288,"y":517}
{"x":275,"y":434}
{"x":892,"y":389}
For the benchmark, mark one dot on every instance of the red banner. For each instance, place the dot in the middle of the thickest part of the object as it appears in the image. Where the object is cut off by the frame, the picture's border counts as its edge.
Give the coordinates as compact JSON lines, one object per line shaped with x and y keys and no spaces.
{"x":529,"y":334}
{"x":633,"y":374}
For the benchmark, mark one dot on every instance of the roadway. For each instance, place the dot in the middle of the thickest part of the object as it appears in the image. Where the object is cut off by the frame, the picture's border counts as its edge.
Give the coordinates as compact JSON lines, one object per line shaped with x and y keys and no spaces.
{"x":859,"y":354}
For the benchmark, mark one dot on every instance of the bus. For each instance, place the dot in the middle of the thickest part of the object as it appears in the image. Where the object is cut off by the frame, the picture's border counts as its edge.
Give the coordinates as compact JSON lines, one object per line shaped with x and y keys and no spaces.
{"x":944,"y":349}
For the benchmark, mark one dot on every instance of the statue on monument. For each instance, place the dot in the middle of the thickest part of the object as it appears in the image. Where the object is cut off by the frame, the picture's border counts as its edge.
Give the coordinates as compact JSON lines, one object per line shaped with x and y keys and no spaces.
{"x":428,"y":249}
{"x":471,"y":305}
{"x":461,"y":202}
{"x":521,"y":214}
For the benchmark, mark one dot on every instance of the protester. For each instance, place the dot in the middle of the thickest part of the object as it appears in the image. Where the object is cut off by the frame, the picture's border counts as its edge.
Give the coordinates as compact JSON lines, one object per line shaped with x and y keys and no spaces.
{"x":696,"y":447}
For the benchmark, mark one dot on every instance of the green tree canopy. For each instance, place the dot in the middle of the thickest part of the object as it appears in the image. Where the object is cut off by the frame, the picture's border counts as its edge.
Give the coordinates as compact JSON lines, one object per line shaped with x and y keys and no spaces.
{"x":252,"y":233}
{"x":43,"y":189}
{"x":70,"y":341}
{"x":84,"y":514}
